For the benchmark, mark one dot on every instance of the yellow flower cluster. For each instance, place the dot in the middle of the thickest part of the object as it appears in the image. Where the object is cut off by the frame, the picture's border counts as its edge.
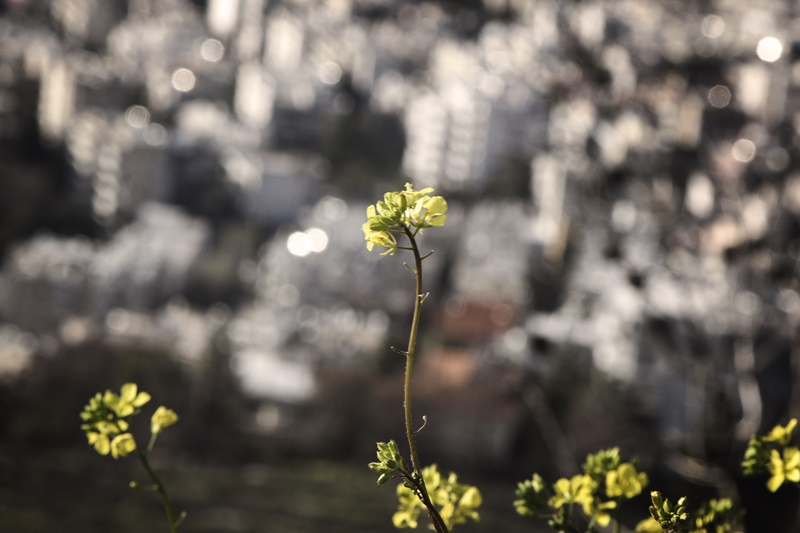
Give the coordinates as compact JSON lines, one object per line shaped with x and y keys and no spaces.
{"x":456,"y":501}
{"x":606,"y":482}
{"x":408,"y":211}
{"x":783,"y":467}
{"x":106,"y":422}
{"x":773,"y":454}
{"x":581,"y":490}
{"x":625,"y":482}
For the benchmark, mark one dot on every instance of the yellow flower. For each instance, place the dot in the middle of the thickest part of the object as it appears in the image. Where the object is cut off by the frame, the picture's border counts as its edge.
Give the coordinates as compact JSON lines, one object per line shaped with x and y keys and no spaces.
{"x":599,"y":511}
{"x":400,"y":212}
{"x":101,"y":442}
{"x":781,"y":435}
{"x":161,"y":419}
{"x":625,"y":481}
{"x":783,"y":468}
{"x":128,"y":400}
{"x":427,"y":212}
{"x":457,"y":502}
{"x":579,"y":489}
{"x":122,"y":445}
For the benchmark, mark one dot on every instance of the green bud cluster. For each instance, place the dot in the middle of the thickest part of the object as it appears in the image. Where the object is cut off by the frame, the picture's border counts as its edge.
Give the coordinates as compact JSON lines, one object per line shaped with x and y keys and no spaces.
{"x":672,"y":518}
{"x":532,"y":496}
{"x":389,"y":462}
{"x":714,"y":516}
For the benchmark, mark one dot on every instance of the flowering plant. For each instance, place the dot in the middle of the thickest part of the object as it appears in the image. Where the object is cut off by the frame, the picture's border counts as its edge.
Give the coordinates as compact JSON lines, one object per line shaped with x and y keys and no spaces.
{"x":606,"y":482}
{"x":106,"y":422}
{"x":773,"y":454}
{"x":408,"y":213}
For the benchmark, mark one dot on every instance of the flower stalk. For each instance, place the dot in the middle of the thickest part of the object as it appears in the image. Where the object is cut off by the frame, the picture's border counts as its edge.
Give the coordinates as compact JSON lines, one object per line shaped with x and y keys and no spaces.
{"x":169,"y":510}
{"x":407,"y":213}
{"x":106,"y":422}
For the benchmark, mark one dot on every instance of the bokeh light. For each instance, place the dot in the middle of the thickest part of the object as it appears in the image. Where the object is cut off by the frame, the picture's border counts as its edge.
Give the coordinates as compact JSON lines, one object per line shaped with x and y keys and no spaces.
{"x":743,"y":150}
{"x":719,"y":96}
{"x":330,"y":73}
{"x":212,"y":50}
{"x":712,"y":26}
{"x":137,"y":116}
{"x":183,"y":80}
{"x":769,"y":49}
{"x":302,"y":243}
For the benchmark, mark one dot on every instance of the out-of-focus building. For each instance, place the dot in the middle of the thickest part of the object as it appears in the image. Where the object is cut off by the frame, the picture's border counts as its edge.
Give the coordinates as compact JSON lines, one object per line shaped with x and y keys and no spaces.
{"x":44,"y":282}
{"x":272,"y":187}
{"x":148,"y":260}
{"x":88,"y":22}
{"x":50,"y":279}
{"x":119,"y":162}
{"x":473,"y":115}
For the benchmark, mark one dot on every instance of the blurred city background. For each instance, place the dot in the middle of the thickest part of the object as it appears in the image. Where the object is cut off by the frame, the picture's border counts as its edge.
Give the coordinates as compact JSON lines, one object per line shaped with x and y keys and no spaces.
{"x":182,"y":187}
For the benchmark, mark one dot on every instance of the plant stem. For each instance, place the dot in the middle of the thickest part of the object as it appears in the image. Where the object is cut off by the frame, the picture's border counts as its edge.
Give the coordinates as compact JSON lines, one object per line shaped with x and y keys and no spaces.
{"x":410,"y":352}
{"x":438,"y":523}
{"x":162,"y":492}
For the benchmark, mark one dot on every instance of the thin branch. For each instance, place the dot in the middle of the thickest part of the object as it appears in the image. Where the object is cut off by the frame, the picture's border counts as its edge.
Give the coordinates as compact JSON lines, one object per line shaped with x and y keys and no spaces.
{"x":174,"y":522}
{"x":436,"y":518}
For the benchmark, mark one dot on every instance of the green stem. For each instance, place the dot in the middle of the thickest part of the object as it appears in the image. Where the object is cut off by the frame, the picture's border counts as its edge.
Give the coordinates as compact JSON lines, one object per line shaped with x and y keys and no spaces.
{"x":438,"y":523}
{"x":152,"y":443}
{"x":162,"y":492}
{"x":410,"y":352}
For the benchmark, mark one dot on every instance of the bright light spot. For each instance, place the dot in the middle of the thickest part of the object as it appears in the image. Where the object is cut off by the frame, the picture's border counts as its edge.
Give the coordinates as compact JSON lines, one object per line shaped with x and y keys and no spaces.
{"x":302,"y":243}
{"x":155,"y":134}
{"x":137,"y":116}
{"x":299,"y":244}
{"x":318,"y":238}
{"x":700,"y":196}
{"x":769,"y":49}
{"x":712,"y":26}
{"x":743,"y":150}
{"x":330,"y":73}
{"x":183,"y":80}
{"x":212,"y":50}
{"x":719,"y":96}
